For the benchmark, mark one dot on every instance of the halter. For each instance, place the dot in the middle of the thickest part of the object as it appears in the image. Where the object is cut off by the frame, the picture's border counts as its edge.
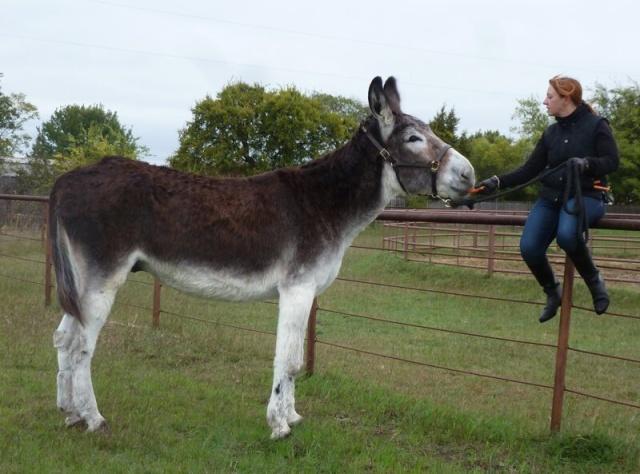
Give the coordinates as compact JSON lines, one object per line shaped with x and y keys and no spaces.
{"x":433,"y":166}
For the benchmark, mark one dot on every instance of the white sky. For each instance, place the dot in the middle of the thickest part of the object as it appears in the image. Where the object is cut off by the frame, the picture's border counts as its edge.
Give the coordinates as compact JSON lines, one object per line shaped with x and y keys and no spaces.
{"x":152,"y":60}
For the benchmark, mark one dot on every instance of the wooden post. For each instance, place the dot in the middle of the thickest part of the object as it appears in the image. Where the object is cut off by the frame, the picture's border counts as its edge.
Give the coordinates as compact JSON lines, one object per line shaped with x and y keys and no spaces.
{"x":157,"y":286}
{"x":492,"y":249}
{"x":311,"y":337}
{"x":47,"y":259}
{"x":563,"y":345}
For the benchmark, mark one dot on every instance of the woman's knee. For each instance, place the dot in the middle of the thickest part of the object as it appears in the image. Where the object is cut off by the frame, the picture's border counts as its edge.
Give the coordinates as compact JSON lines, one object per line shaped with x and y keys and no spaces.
{"x":567,"y":241}
{"x":532,"y":251}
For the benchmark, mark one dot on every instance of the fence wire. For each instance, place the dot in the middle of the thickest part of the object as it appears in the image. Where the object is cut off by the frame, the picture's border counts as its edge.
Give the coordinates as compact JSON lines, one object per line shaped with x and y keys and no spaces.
{"x":379,"y":319}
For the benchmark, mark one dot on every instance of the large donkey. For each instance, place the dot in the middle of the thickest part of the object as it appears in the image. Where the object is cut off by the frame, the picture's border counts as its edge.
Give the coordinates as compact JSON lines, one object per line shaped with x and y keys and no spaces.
{"x":281,"y":233}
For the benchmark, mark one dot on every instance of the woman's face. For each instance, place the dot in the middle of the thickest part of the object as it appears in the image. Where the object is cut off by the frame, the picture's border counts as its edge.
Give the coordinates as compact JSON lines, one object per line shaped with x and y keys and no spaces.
{"x":558,"y":106}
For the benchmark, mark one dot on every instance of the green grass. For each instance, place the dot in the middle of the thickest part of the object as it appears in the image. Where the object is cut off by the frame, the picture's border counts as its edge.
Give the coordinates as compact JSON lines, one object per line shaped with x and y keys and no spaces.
{"x":191,"y":396}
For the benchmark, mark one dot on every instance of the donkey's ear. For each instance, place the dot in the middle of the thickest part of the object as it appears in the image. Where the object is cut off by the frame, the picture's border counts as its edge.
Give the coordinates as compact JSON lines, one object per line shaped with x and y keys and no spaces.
{"x":376,"y":96}
{"x":392,"y":94}
{"x":379,"y":105}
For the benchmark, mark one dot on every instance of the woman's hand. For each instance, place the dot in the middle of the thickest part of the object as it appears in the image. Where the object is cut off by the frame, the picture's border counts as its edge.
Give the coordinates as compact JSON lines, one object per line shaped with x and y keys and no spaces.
{"x":488,"y":186}
{"x":581,"y":164}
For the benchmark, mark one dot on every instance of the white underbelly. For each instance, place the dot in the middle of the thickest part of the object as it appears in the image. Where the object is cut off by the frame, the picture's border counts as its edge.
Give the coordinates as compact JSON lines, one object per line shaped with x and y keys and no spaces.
{"x":220,"y":284}
{"x":236,"y":285}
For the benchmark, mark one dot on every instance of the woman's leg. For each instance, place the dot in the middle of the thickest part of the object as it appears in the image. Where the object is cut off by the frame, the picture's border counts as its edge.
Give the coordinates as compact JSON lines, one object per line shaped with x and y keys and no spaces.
{"x":539,"y":231}
{"x":577,"y":249}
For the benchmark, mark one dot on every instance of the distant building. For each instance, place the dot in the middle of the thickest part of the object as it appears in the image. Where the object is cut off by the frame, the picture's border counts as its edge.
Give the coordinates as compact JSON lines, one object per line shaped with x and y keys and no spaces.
{"x":9,"y":168}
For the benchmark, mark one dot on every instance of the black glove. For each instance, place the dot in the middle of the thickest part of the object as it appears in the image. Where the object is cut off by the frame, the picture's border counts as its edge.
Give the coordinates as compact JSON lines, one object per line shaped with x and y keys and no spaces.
{"x":488,"y":186}
{"x":580,"y":164}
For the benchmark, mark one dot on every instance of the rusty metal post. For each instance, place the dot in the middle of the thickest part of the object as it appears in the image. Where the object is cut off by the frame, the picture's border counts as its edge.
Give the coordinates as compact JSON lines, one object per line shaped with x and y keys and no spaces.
{"x":475,"y":237}
{"x":47,"y":259}
{"x":457,"y":244}
{"x":157,"y":287}
{"x":563,"y":345}
{"x":406,"y":240}
{"x":492,"y":249}
{"x":414,"y":237}
{"x":44,"y":227}
{"x":311,"y":337}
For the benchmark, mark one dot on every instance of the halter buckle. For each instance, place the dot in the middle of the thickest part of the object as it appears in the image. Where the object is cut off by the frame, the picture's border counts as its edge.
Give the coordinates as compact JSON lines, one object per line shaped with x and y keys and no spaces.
{"x":386,"y":156}
{"x":435,"y":166}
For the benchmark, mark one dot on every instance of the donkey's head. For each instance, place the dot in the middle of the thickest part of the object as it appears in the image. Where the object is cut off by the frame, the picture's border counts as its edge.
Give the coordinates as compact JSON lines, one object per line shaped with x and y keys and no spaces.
{"x":423,"y":163}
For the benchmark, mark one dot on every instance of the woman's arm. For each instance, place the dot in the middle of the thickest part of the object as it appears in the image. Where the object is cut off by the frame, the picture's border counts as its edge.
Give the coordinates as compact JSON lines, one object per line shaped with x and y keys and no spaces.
{"x":530,"y":169}
{"x":607,"y":159}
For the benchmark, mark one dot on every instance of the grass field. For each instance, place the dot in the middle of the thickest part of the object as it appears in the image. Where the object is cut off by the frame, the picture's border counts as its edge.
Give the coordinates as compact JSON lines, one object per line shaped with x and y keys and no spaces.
{"x":191,"y":396}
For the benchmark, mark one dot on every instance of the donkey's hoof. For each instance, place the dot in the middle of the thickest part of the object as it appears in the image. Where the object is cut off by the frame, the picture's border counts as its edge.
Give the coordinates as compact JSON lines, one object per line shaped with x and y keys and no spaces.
{"x":73,"y":420}
{"x":294,"y":419}
{"x":280,"y":433}
{"x":99,"y":425}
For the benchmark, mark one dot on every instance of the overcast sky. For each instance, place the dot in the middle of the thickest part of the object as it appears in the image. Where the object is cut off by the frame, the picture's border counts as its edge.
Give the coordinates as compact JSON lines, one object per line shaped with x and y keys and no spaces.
{"x":152,"y":60}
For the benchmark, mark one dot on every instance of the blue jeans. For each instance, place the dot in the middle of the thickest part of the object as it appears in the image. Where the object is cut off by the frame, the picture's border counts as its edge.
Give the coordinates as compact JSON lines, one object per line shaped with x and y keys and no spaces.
{"x":548,"y":220}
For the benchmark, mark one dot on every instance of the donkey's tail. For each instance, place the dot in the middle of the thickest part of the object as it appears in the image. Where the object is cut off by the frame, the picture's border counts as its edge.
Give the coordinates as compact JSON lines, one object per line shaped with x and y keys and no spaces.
{"x":66,"y":284}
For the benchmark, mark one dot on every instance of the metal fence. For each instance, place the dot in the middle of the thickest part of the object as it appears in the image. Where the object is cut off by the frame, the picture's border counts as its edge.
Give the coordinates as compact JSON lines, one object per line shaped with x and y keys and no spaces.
{"x":407,"y":221}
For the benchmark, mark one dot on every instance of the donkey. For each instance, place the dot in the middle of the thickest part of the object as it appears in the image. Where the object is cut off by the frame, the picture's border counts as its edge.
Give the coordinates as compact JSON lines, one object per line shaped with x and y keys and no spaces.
{"x":282,"y":233}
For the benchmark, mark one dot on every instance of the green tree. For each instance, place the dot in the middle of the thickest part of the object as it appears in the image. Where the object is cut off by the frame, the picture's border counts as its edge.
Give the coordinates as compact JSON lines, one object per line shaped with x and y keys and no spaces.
{"x":15,"y":111}
{"x":247,"y":129}
{"x":492,"y":153}
{"x":76,"y":126}
{"x":532,"y":120}
{"x":76,"y":135}
{"x":444,"y":124}
{"x":621,"y":106}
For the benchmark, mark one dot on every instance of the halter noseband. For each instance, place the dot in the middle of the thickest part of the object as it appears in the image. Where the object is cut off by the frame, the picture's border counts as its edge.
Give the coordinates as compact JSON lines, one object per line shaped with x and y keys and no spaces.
{"x":433,"y":166}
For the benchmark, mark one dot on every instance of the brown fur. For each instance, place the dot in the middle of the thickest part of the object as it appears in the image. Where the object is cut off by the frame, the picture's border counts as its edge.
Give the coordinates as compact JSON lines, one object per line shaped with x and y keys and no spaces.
{"x":117,"y":205}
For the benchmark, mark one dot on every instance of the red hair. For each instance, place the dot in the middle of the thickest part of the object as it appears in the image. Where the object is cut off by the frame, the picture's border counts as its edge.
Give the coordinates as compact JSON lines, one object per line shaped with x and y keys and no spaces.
{"x":569,"y":87}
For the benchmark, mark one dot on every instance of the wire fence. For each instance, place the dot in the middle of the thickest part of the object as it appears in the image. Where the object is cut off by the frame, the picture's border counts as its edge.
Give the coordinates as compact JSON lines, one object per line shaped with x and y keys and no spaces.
{"x":406,"y":221}
{"x":483,"y":247}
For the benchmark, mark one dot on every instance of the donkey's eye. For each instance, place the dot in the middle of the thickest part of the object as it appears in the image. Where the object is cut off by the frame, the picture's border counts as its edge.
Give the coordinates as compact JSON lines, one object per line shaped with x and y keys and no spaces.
{"x":414,"y":138}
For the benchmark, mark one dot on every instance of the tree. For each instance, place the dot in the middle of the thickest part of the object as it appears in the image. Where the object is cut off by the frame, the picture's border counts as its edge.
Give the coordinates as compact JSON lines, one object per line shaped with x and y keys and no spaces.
{"x":247,"y":129}
{"x":621,"y":106}
{"x":533,"y":120}
{"x":492,"y":154}
{"x":15,"y":111}
{"x":76,"y":135}
{"x":77,"y":126}
{"x":444,"y":124}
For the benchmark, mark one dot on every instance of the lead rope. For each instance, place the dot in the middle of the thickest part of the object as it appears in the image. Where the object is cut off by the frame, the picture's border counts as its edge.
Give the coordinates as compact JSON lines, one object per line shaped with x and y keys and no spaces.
{"x":471,"y":201}
{"x":573,"y":181}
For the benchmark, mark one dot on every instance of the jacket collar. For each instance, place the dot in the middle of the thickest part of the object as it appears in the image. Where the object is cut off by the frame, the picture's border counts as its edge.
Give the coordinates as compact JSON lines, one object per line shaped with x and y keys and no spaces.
{"x":573,"y":117}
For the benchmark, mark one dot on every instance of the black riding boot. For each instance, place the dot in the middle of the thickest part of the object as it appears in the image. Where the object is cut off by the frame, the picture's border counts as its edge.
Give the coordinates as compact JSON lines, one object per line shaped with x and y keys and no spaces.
{"x":591,"y":276}
{"x":544,"y":275}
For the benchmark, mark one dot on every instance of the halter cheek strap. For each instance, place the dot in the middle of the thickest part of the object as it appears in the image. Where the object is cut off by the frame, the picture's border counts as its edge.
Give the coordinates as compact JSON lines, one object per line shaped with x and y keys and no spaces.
{"x":433,"y":166}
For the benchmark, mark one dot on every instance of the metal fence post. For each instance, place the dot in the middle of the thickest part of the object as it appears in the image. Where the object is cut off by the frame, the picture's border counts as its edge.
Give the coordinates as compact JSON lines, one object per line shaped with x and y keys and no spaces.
{"x":47,"y":258}
{"x":492,"y":249}
{"x":311,"y":337}
{"x":406,"y":240}
{"x":157,"y":286}
{"x":563,"y":345}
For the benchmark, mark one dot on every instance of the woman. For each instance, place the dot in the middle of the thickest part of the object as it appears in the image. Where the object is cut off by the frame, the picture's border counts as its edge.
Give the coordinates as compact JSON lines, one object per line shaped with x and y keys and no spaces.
{"x":584,"y":140}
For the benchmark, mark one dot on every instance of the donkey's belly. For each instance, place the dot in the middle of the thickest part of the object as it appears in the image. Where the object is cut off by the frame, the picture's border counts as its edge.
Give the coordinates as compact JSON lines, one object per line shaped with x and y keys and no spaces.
{"x":217,"y":283}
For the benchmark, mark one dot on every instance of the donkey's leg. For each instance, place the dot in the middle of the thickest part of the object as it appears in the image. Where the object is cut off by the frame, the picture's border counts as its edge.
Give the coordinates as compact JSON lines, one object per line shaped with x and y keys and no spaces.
{"x":96,"y":305}
{"x":63,"y":338}
{"x":295,"y":304}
